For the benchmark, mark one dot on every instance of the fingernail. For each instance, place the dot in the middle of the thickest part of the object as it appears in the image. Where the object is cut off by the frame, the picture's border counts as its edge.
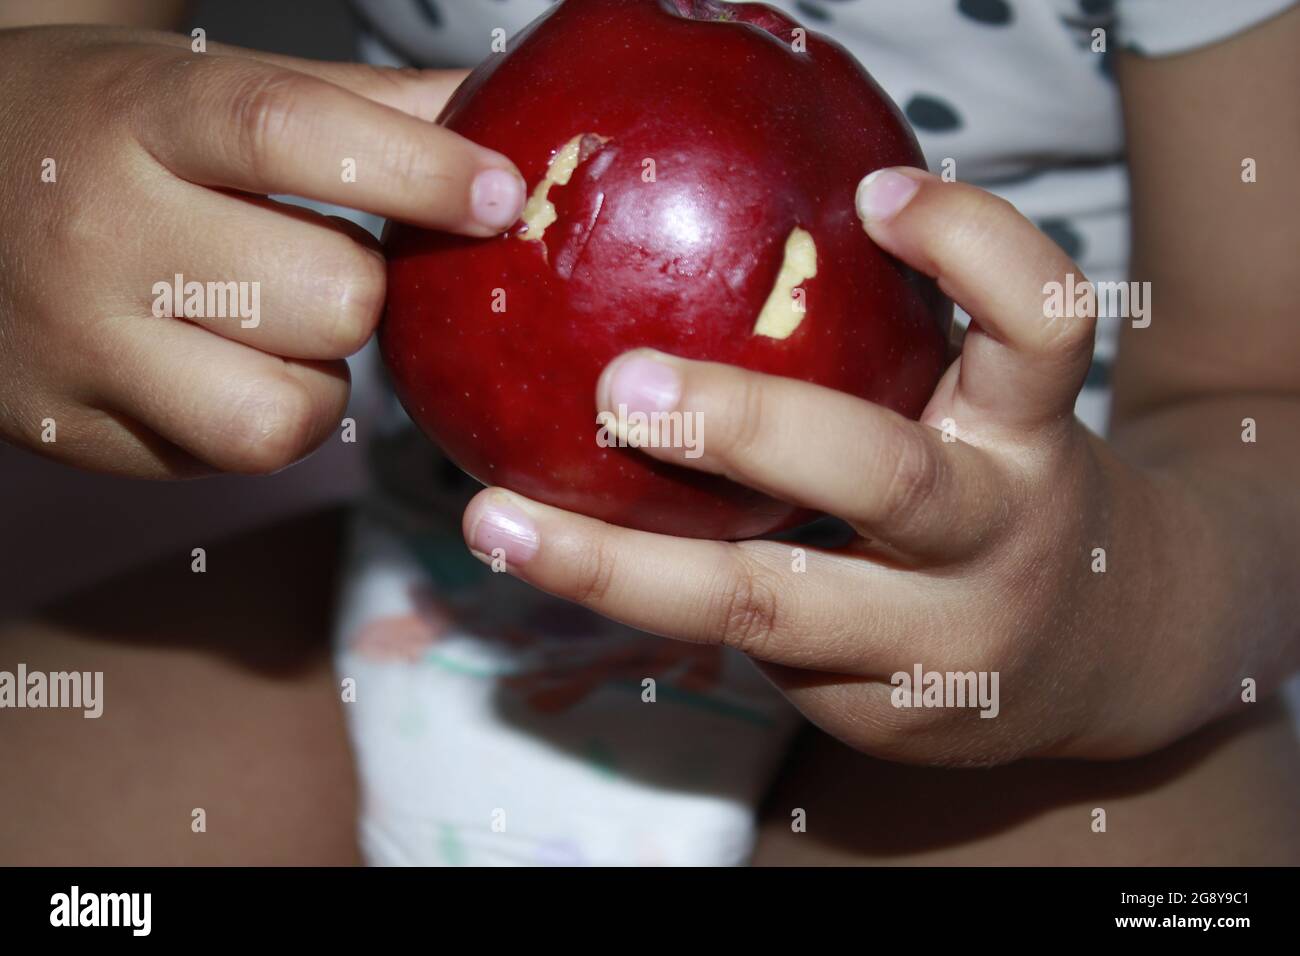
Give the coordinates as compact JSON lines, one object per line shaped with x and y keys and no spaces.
{"x":883,"y":193}
{"x":496,"y":198}
{"x":502,"y":525}
{"x":643,"y":384}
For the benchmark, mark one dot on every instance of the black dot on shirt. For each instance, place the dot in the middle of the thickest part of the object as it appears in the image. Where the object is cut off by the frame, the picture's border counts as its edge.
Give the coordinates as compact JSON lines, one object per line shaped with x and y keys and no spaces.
{"x":929,"y":113}
{"x":812,"y":11}
{"x":1107,"y":66}
{"x":1064,"y":235}
{"x":995,"y":13}
{"x":430,"y":12}
{"x":1097,"y":8}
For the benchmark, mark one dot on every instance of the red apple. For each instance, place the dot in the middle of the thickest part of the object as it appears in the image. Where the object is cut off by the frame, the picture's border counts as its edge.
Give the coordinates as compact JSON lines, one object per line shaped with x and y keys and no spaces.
{"x":718,"y":147}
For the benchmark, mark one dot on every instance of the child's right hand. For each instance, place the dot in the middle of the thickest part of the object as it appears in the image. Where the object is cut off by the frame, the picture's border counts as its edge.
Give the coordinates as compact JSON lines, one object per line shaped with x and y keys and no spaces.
{"x":162,"y":159}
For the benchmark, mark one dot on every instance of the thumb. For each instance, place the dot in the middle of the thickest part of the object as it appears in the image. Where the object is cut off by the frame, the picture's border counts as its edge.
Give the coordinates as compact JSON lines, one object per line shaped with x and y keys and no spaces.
{"x":1022,"y":363}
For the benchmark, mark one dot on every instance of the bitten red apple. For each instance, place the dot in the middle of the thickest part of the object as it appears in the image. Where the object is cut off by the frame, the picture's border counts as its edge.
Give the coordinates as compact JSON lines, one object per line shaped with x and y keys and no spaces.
{"x":691,"y":167}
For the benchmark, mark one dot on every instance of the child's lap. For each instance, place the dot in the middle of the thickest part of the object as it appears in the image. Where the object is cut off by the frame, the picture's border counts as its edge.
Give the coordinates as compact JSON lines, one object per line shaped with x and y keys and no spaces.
{"x":220,"y":695}
{"x":1224,"y":796}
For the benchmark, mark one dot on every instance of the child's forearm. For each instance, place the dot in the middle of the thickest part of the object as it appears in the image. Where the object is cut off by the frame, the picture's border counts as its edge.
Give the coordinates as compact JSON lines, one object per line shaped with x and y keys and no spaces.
{"x":1238,"y":459}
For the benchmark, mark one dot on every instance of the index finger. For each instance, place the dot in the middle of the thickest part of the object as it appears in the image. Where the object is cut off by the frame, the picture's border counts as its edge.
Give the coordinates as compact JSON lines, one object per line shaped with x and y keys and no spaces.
{"x":244,"y":124}
{"x":421,"y":93}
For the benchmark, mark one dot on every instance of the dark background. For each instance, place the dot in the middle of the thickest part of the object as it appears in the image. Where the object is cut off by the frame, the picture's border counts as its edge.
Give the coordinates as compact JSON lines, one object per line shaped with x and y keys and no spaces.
{"x":322,"y":29}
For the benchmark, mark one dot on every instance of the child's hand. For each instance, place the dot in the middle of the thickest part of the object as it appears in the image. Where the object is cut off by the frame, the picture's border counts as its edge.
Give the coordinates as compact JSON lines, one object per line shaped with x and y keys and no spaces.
{"x":975,"y":554}
{"x":127,"y":159}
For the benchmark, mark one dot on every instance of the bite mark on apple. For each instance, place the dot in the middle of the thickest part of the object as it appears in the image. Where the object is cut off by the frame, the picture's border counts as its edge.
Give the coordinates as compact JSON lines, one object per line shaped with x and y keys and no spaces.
{"x":781,"y":313}
{"x":570,"y":253}
{"x":539,"y":211}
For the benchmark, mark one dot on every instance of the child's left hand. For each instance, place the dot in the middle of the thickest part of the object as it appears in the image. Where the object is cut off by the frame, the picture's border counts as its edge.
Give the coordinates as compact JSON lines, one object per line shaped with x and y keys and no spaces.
{"x":975,"y":555}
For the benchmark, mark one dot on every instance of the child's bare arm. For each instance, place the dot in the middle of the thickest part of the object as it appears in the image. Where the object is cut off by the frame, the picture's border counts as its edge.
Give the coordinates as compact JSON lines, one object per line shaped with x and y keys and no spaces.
{"x":1212,"y":140}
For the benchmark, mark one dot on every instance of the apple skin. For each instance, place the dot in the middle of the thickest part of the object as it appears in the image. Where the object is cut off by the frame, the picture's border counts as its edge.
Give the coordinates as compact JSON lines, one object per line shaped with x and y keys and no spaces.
{"x":749,"y":139}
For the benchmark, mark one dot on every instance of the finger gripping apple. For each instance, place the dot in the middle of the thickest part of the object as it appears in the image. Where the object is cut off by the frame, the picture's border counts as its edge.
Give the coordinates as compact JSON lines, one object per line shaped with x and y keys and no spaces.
{"x":691,"y":167}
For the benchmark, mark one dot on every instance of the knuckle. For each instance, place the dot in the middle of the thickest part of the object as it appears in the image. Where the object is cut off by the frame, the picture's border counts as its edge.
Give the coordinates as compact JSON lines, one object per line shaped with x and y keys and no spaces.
{"x":747,"y":610}
{"x":359,"y":304}
{"x":123,"y":77}
{"x":977,"y":221}
{"x":272,"y":427}
{"x":73,"y":241}
{"x":262,"y":110}
{"x":916,"y":475}
{"x":412,"y":163}
{"x":1071,"y":338}
{"x":987,"y":212}
{"x":744,"y":419}
{"x":594,"y":575}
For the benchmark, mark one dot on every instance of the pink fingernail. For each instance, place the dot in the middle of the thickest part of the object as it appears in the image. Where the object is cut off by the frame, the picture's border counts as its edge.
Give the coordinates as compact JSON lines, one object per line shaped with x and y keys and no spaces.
{"x":497,"y":198}
{"x":883,"y":193}
{"x":644,"y":384}
{"x":501,"y":525}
